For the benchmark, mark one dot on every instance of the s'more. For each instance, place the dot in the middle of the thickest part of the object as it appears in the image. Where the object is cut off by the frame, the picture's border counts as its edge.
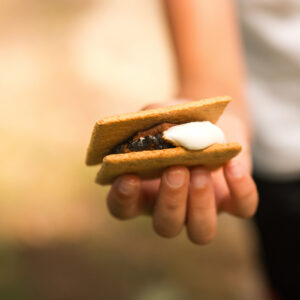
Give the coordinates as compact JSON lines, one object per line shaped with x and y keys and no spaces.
{"x":146,"y":142}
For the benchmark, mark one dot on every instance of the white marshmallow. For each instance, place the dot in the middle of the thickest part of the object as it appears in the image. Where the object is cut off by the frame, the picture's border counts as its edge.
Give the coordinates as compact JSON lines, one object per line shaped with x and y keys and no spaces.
{"x":194,"y":135}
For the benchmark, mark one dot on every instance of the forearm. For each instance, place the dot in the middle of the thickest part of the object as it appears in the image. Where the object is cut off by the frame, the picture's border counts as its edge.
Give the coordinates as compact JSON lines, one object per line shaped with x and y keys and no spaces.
{"x":209,"y":52}
{"x":210,"y":63}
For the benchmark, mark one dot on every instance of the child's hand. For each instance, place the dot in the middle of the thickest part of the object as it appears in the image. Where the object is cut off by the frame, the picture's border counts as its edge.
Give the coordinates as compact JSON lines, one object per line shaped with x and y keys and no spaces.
{"x":190,"y":196}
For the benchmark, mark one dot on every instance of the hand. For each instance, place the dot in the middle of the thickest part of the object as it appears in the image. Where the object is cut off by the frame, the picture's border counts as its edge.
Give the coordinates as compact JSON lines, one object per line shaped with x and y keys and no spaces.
{"x":191,"y":196}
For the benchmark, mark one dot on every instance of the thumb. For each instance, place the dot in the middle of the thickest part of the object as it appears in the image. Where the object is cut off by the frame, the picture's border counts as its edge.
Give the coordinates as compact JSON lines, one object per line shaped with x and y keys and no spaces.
{"x":164,"y":104}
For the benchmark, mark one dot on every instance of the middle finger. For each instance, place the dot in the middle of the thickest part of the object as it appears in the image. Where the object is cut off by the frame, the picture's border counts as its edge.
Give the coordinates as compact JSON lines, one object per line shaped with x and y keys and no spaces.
{"x":201,"y":211}
{"x":170,"y":207}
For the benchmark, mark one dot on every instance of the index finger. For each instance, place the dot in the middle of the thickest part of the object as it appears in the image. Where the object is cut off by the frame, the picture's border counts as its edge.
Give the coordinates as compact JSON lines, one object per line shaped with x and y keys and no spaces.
{"x":123,"y":197}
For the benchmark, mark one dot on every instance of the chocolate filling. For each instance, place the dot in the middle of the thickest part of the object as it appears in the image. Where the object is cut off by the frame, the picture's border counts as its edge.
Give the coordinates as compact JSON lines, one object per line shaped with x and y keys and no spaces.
{"x":150,"y":139}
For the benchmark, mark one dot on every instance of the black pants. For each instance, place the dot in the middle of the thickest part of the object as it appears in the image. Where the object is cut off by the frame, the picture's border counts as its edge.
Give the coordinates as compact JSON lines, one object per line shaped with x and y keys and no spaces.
{"x":278,"y":221}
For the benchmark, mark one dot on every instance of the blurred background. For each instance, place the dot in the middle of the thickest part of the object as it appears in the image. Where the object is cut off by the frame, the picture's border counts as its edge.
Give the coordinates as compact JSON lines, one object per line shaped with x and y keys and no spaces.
{"x":63,"y":65}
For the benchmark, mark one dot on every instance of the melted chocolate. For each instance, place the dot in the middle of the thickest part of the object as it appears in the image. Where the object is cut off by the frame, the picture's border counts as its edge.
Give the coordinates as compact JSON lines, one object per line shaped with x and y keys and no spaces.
{"x":150,"y":139}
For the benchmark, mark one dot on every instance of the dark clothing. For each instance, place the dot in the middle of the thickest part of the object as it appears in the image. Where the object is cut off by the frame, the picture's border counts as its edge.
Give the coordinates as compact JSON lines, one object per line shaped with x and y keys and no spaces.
{"x":278,"y":221}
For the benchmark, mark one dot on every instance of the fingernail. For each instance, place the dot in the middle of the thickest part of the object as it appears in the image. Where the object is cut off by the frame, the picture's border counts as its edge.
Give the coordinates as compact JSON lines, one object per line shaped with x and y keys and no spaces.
{"x":235,"y":169}
{"x":175,"y":178}
{"x":127,"y":187}
{"x":199,"y":178}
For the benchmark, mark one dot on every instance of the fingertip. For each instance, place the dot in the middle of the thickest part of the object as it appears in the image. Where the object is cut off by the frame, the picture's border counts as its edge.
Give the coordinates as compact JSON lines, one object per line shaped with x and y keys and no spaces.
{"x":127,"y":185}
{"x":129,"y":177}
{"x":183,"y":169}
{"x":123,"y":197}
{"x":175,"y":177}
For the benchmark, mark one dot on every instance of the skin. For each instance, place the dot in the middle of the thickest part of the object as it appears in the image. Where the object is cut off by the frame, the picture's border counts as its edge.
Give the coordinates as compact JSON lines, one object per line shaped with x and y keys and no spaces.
{"x":193,"y":197}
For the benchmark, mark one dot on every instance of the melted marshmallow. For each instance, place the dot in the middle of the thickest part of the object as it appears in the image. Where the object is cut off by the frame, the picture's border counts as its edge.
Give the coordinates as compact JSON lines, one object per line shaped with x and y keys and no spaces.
{"x":194,"y":135}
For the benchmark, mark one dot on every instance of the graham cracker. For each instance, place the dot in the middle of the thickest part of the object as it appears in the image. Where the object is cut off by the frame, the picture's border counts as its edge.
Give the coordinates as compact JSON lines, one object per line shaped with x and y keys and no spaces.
{"x":150,"y":164}
{"x":114,"y":130}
